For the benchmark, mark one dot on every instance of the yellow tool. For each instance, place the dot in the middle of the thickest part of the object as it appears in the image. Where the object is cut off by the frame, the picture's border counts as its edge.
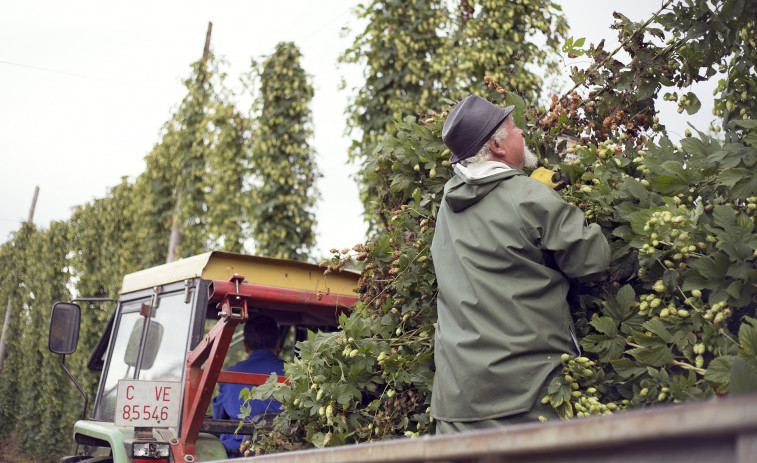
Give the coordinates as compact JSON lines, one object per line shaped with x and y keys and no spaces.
{"x":549,"y":177}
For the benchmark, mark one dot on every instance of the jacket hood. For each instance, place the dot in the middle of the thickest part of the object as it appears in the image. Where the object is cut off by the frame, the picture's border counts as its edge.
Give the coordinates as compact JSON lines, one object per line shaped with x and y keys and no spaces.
{"x":470,"y":184}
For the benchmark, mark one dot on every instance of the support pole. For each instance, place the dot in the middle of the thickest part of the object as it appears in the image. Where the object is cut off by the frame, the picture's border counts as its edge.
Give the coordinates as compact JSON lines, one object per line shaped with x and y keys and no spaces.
{"x":4,"y":336}
{"x":7,"y":322}
{"x":34,"y":205}
{"x":176,"y":237}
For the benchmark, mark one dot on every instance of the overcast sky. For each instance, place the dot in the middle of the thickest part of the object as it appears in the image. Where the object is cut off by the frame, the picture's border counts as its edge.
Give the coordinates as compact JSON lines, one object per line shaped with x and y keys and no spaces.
{"x":85,"y":87}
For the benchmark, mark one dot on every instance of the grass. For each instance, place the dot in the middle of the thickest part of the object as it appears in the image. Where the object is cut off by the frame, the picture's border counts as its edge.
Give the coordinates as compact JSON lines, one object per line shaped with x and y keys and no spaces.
{"x":11,"y":452}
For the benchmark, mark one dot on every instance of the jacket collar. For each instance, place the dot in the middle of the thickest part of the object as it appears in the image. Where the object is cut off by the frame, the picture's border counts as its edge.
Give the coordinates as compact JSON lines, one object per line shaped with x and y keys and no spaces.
{"x":481,"y":170}
{"x":471,"y":184}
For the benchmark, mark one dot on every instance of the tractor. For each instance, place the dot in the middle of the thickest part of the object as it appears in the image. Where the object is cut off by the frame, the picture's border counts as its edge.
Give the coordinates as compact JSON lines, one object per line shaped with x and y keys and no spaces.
{"x":165,"y":346}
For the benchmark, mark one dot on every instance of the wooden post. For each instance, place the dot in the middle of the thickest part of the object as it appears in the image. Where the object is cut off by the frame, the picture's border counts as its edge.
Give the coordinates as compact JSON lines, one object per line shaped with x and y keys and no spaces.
{"x":4,"y":336}
{"x":34,"y":205}
{"x":7,"y":322}
{"x":176,"y":237}
{"x":206,"y":50}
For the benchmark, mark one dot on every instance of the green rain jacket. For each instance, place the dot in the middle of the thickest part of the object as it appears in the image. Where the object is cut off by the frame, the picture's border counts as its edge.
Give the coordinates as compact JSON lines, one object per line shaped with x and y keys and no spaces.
{"x":504,"y":249}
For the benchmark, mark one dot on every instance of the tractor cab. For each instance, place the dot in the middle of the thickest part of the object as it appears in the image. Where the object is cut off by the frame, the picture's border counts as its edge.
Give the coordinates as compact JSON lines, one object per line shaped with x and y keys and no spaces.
{"x":174,"y":330}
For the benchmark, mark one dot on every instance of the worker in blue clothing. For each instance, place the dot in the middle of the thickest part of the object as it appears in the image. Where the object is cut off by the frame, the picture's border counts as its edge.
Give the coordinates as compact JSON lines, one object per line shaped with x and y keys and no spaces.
{"x":261,"y":342}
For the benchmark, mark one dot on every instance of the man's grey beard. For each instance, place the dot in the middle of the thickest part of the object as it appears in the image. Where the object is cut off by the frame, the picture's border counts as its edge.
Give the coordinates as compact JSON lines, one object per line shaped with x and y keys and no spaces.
{"x":531,"y":160}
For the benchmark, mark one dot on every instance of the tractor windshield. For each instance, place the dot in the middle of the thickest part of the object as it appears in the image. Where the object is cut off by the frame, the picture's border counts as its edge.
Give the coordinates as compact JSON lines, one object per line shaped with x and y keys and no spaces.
{"x":150,"y":348}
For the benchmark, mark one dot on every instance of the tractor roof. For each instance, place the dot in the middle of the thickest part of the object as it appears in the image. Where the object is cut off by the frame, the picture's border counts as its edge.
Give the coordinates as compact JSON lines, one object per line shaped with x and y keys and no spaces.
{"x":218,"y":265}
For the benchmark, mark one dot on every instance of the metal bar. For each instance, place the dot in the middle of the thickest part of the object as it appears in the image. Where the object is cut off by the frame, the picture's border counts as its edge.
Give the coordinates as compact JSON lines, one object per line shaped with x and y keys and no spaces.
{"x":722,"y":430}
{"x":84,"y":394}
{"x":234,"y":298}
{"x":193,"y":410}
{"x":94,"y":299}
{"x":226,"y":427}
{"x":199,"y":354}
{"x":86,"y":399}
{"x":204,"y":389}
{"x":284,"y":298}
{"x":252,"y":379}
{"x":200,"y":382}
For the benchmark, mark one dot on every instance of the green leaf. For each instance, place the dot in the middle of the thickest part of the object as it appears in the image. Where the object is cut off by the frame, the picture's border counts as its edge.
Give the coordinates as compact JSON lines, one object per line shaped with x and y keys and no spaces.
{"x":694,"y":146}
{"x":748,"y":339}
{"x":670,"y":278}
{"x":620,"y":307}
{"x":743,"y":378}
{"x":607,"y":348}
{"x":712,"y":268}
{"x":676,"y":168}
{"x":635,"y":189}
{"x":567,"y":45}
{"x":656,"y":356}
{"x":605,"y":325}
{"x":693,"y":103}
{"x":719,"y":370}
{"x":559,"y":391}
{"x":632,"y":323}
{"x":626,"y":298}
{"x":638,"y":220}
{"x":564,"y":410}
{"x":734,"y":289}
{"x":612,"y":349}
{"x":744,"y":188}
{"x":573,"y":48}
{"x":745,"y":123}
{"x":627,"y":368}
{"x":730,"y":177}
{"x":345,"y":392}
{"x":657,"y":327}
{"x":316,"y":439}
{"x":751,"y":140}
{"x":417,"y":195}
{"x":731,"y":155}
{"x":244,"y":411}
{"x":519,"y":113}
{"x":389,"y":319}
{"x":740,"y":270}
{"x":667,"y":184}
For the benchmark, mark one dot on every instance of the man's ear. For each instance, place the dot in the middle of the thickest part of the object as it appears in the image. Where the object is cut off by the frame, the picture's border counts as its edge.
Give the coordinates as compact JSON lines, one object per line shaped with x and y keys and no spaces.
{"x":496,"y":149}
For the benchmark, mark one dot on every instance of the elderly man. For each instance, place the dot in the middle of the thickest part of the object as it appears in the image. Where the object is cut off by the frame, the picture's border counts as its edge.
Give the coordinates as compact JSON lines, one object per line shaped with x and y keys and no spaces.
{"x":504,"y":250}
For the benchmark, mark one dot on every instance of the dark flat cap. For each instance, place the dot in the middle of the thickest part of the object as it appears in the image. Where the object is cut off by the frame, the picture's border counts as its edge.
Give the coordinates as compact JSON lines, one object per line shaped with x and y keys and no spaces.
{"x":470,"y":125}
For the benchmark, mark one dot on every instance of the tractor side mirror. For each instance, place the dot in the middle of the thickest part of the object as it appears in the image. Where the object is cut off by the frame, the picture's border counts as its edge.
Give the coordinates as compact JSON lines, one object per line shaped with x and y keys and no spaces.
{"x":64,"y":328}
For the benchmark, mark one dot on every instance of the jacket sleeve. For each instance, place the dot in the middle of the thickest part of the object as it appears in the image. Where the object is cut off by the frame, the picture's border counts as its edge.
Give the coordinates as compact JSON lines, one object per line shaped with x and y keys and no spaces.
{"x":580,"y":251}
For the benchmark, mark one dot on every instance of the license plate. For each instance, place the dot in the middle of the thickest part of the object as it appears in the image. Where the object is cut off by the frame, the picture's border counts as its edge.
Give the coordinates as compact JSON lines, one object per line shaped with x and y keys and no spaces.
{"x":149,"y":404}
